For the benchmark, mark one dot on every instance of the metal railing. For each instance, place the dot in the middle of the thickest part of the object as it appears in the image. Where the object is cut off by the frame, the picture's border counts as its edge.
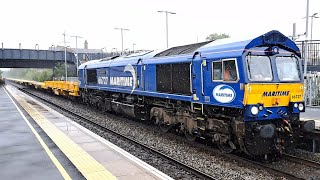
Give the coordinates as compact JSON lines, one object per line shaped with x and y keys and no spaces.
{"x":313,"y":51}
{"x":312,"y":86}
{"x":312,"y":89}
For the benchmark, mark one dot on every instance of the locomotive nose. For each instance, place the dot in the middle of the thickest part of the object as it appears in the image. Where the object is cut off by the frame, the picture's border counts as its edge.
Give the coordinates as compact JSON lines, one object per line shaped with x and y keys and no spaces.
{"x":266,"y":131}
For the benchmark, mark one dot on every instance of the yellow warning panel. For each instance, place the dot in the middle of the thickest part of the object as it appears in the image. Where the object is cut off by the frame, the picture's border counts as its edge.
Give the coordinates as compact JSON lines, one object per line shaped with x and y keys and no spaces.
{"x":273,"y":94}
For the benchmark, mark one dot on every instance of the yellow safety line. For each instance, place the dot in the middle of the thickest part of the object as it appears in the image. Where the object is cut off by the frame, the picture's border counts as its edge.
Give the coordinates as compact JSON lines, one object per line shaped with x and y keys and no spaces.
{"x":43,"y":144}
{"x":87,"y":165}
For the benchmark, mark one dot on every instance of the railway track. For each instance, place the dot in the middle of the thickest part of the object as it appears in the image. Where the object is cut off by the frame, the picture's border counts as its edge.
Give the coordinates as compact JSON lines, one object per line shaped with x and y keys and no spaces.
{"x":194,"y":171}
{"x":302,"y":161}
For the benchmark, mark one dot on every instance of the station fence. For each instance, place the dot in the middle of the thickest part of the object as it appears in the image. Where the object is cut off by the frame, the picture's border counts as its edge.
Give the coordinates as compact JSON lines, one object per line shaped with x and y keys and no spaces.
{"x":312,"y":83}
{"x":312,"y":88}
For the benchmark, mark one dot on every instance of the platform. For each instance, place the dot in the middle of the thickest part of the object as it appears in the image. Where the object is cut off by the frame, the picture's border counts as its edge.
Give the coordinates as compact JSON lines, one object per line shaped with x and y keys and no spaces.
{"x":312,"y":113}
{"x":91,"y":156}
{"x":23,"y":153}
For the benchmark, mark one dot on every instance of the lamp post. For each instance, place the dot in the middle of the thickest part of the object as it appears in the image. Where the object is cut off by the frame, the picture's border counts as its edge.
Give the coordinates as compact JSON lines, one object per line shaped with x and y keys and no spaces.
{"x":121,"y":29}
{"x":65,"y":55}
{"x":167,"y":12}
{"x":102,"y":52}
{"x":313,"y":16}
{"x":77,"y":58}
{"x":112,"y":50}
{"x":133,"y":47}
{"x":124,"y":51}
{"x":305,"y":49}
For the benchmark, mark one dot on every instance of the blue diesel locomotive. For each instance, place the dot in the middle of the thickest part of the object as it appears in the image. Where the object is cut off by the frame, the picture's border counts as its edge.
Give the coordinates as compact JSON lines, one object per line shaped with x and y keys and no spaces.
{"x":244,"y":95}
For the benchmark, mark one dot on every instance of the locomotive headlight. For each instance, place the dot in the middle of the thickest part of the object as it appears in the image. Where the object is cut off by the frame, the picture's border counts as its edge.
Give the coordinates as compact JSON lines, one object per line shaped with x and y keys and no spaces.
{"x":295,"y":105}
{"x":254,"y":110}
{"x":301,"y":107}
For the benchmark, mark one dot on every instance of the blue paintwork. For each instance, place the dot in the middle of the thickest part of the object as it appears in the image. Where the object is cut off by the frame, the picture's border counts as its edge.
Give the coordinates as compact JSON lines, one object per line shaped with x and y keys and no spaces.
{"x":274,"y":113}
{"x":145,"y":68}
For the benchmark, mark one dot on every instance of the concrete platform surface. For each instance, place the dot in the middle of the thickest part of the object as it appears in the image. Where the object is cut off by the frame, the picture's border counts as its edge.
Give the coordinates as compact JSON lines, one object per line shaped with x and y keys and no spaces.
{"x":22,"y":156}
{"x":107,"y":156}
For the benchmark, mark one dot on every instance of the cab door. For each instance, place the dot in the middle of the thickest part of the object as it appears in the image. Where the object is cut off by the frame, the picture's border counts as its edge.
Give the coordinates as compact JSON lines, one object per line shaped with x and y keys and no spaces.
{"x":221,"y":82}
{"x":197,"y":79}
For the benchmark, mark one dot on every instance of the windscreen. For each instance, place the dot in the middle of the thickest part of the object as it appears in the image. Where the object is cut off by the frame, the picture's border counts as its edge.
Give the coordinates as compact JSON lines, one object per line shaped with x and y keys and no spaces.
{"x":287,"y":68}
{"x":259,"y":68}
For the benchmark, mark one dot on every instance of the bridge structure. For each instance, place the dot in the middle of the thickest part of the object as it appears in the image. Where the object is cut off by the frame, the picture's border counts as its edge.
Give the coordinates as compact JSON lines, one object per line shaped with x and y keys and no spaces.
{"x":31,"y":58}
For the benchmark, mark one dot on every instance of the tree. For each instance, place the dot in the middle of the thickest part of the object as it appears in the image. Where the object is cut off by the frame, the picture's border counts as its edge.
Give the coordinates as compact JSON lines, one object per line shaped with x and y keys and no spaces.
{"x":216,"y":36}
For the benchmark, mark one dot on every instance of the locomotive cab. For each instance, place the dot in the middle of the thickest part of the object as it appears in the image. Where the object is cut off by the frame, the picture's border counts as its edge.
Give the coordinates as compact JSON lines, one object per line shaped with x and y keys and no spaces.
{"x":273,"y":97}
{"x":260,"y":87}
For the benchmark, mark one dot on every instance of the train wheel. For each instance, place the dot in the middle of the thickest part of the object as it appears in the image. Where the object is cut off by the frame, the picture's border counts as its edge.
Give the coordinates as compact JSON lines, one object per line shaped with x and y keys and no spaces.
{"x":190,"y":137}
{"x":226,"y":148}
{"x":164,"y":127}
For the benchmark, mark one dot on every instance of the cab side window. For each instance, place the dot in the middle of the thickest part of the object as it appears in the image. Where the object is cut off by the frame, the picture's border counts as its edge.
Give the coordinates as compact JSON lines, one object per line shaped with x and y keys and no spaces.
{"x":217,"y":70}
{"x":230,"y":70}
{"x":224,"y":70}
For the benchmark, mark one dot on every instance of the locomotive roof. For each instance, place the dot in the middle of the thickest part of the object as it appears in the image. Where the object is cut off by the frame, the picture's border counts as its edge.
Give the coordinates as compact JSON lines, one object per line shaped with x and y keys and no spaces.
{"x":271,"y":38}
{"x":229,"y":45}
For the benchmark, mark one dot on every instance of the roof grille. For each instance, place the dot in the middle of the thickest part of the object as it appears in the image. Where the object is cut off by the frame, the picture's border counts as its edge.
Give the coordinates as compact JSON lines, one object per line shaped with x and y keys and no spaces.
{"x":186,"y":49}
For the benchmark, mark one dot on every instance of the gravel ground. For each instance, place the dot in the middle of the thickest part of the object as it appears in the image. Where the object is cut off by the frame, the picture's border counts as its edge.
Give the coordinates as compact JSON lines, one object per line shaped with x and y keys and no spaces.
{"x":213,"y":164}
{"x":295,"y":168}
{"x":306,"y":155}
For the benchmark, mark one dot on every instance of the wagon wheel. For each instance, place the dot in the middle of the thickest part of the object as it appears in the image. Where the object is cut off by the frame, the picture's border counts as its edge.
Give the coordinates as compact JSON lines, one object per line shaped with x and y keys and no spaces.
{"x":225,"y":147}
{"x":190,"y":137}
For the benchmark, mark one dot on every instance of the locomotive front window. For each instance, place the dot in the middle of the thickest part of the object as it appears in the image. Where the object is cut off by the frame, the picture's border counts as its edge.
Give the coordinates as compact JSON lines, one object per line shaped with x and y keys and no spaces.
{"x":259,"y":68}
{"x":287,"y":68}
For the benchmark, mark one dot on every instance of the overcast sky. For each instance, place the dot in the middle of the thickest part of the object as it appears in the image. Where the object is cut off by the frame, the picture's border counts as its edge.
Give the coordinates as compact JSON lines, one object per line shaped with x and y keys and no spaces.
{"x":43,"y":22}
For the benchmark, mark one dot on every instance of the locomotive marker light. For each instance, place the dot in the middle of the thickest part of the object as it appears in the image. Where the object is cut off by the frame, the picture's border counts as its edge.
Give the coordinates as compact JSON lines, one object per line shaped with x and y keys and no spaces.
{"x":275,"y":50}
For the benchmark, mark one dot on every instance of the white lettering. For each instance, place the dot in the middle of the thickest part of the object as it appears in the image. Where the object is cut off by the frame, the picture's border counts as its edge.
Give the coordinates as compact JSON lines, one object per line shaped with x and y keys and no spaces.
{"x":103,"y":80}
{"x":121,"y":81}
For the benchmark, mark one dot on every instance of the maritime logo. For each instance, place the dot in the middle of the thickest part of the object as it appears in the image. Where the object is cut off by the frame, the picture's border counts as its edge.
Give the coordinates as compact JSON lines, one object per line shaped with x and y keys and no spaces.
{"x":131,"y":69}
{"x":224,"y":93}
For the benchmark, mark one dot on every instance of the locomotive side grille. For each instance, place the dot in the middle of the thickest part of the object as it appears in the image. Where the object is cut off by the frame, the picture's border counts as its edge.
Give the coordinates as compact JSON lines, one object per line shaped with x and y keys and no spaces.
{"x":173,"y":78}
